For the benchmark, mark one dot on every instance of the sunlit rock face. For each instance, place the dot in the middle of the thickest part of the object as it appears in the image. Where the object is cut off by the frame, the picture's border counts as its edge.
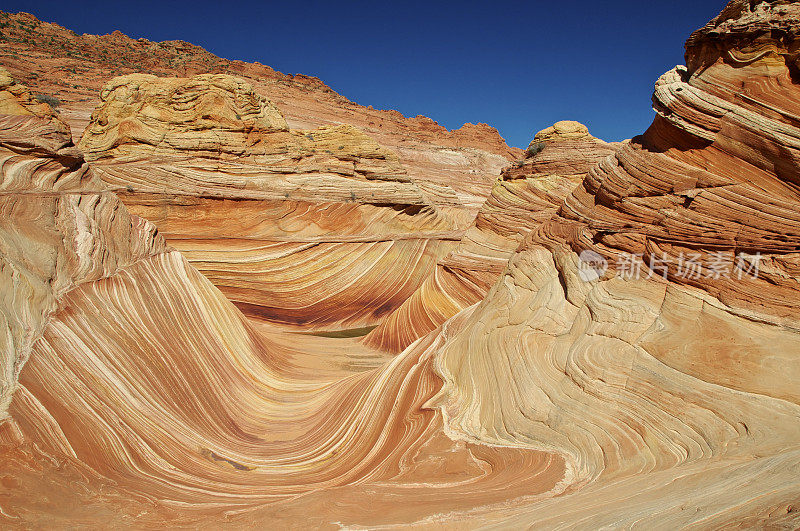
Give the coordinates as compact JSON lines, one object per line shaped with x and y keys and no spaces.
{"x":454,"y":168}
{"x":631,"y":362}
{"x":135,"y":394}
{"x":53,"y":212}
{"x":632,"y":332}
{"x":319,"y":227}
{"x":526,"y":194}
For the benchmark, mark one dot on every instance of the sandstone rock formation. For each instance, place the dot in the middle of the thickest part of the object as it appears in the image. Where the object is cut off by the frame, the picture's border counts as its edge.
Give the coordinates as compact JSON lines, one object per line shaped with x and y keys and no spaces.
{"x":319,"y":227}
{"x":17,"y":100}
{"x":563,"y":130}
{"x":526,"y":194}
{"x":139,"y":395}
{"x":679,"y":373}
{"x":454,"y":168}
{"x":209,"y":114}
{"x":632,"y":364}
{"x":54,"y":213}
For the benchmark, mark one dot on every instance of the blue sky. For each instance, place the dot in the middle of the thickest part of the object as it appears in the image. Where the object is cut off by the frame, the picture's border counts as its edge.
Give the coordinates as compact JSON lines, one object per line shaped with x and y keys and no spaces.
{"x":516,"y":66}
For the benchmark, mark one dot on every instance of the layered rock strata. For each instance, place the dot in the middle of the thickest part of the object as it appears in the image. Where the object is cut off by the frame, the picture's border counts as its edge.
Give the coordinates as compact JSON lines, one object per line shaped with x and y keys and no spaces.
{"x":137,"y":394}
{"x":319,"y":227}
{"x":634,"y":365}
{"x":526,"y":194}
{"x":647,"y":332}
{"x":455,"y":168}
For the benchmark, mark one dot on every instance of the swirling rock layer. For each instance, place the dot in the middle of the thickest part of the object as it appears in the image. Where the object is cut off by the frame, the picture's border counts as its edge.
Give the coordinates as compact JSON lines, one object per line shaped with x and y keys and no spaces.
{"x":575,"y":394}
{"x":52,"y":211}
{"x":140,"y":395}
{"x":320,"y":227}
{"x":669,"y":392}
{"x":527,"y":194}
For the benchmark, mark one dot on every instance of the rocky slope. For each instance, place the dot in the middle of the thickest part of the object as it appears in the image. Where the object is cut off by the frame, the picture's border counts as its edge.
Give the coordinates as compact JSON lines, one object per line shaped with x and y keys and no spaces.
{"x":633,"y":364}
{"x":525,"y":195}
{"x":319,"y":227}
{"x":455,"y":168}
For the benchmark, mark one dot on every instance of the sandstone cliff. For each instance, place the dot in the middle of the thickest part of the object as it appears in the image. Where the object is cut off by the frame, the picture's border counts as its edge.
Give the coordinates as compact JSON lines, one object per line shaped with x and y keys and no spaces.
{"x":319,"y":227}
{"x":455,"y":168}
{"x":526,"y":194}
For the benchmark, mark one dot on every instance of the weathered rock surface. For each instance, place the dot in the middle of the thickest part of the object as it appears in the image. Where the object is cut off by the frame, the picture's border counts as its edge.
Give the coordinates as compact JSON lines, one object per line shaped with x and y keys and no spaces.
{"x":319,"y":227}
{"x":669,"y":388}
{"x":136,"y":394}
{"x":574,"y":394}
{"x":455,"y":168}
{"x":526,"y":194}
{"x":54,"y":213}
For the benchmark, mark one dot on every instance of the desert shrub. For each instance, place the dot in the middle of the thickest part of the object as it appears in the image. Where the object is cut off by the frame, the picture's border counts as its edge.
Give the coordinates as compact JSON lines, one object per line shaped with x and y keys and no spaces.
{"x":52,"y":101}
{"x":534,"y":148}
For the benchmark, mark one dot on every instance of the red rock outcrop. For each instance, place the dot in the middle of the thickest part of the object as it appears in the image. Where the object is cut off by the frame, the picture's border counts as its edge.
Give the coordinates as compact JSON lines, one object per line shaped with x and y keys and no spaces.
{"x":527,"y":193}
{"x":319,"y":227}
{"x":455,"y":168}
{"x":633,"y":365}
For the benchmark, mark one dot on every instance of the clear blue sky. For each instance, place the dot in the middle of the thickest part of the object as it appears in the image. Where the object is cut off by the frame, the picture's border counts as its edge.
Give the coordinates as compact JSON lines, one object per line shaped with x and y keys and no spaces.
{"x":517,"y":66}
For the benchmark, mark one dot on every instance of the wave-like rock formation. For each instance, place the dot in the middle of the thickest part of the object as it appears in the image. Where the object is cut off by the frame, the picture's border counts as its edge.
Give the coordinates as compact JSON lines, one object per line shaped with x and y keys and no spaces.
{"x":675,"y":367}
{"x":633,"y":365}
{"x":140,"y":395}
{"x":53,"y":211}
{"x":319,"y":227}
{"x":527,"y":193}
